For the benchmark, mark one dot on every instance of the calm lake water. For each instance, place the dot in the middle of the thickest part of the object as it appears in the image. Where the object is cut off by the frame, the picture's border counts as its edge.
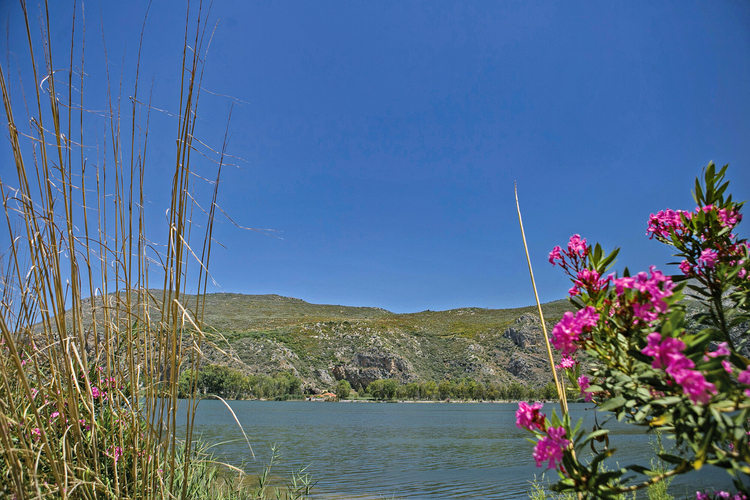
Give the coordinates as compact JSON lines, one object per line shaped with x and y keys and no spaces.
{"x":407,"y":450}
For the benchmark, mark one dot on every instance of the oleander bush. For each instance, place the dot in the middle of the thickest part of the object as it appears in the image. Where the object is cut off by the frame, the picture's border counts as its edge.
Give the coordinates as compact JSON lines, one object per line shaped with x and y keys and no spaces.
{"x":647,"y":369}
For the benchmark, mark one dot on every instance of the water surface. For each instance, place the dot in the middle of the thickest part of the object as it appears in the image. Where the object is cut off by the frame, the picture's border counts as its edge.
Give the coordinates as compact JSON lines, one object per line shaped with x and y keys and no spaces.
{"x":406,"y":450}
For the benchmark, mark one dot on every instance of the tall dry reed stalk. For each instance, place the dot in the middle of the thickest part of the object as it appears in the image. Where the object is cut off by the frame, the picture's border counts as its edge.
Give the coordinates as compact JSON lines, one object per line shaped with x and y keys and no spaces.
{"x":91,"y":351}
{"x":558,"y":382}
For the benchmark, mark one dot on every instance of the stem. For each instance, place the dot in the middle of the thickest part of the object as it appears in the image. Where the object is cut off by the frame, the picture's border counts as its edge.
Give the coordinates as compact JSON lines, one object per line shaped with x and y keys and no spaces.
{"x":558,"y":385}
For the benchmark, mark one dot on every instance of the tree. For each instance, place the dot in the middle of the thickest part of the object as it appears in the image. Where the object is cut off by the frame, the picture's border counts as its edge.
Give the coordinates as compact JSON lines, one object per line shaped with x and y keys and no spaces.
{"x":343,"y":389}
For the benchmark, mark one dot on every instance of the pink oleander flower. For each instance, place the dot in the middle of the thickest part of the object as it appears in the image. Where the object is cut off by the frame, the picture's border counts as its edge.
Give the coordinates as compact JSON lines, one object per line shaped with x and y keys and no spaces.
{"x":115,"y":452}
{"x":528,"y":416}
{"x":702,"y":496}
{"x":622,"y":283}
{"x":566,"y":362}
{"x":664,"y":223}
{"x":694,"y":384}
{"x":577,"y":245}
{"x":727,"y":366}
{"x":645,"y":312}
{"x":721,"y":350}
{"x":744,"y":377}
{"x":686,"y":268}
{"x":589,"y":280}
{"x":550,"y":447}
{"x":567,"y":331}
{"x":667,"y":353}
{"x":584,"y":383}
{"x":728,"y":217}
{"x":668,"y":356}
{"x":95,"y":392}
{"x":555,"y":255}
{"x":708,"y":258}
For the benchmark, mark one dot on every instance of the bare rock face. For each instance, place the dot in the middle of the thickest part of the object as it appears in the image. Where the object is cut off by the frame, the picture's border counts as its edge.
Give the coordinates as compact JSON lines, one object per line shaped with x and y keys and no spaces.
{"x":526,"y":331}
{"x":366,"y":368}
{"x":518,"y":366}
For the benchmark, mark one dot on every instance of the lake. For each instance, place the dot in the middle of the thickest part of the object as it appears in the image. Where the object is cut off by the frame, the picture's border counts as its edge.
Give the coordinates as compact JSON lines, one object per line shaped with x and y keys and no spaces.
{"x":421,"y":451}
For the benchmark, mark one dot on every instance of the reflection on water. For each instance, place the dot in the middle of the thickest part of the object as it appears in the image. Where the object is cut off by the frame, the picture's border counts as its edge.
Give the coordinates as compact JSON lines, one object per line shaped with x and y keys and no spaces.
{"x":406,"y":450}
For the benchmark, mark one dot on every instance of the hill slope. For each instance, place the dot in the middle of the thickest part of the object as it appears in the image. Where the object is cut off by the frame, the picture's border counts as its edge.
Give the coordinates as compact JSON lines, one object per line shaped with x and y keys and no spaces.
{"x":322,"y":343}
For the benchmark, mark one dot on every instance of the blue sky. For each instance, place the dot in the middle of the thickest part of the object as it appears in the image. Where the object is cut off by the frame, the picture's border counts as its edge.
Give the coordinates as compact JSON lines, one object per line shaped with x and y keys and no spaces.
{"x":381,"y":140}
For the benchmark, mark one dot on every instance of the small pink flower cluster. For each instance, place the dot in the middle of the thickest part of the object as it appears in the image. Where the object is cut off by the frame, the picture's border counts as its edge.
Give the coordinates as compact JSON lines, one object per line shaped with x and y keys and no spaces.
{"x":566,"y":362}
{"x":728,"y":217}
{"x":668,"y":356}
{"x":744,"y":378}
{"x":573,"y":257}
{"x":584,"y":383}
{"x":566,"y":333}
{"x":528,"y":416}
{"x":551,"y":446}
{"x":734,"y":254}
{"x":719,"y":494}
{"x":588,"y":280}
{"x":666,"y":222}
{"x":115,"y":452}
{"x":650,"y":303}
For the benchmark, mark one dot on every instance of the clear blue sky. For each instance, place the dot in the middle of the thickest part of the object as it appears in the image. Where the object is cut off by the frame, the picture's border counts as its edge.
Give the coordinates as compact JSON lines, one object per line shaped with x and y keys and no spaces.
{"x":381,"y":140}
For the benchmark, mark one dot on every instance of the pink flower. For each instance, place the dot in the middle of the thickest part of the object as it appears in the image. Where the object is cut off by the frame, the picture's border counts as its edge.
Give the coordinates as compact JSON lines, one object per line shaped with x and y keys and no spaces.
{"x":528,"y":417}
{"x":694,"y":385}
{"x":708,"y":258}
{"x":728,"y":217}
{"x":566,"y":363}
{"x":744,"y":377}
{"x":668,"y":355}
{"x":555,"y":255}
{"x":36,"y":433}
{"x":550,"y":447}
{"x":577,"y":245}
{"x":666,"y":222}
{"x":584,"y":383}
{"x":721,"y":350}
{"x":588,"y":280}
{"x":115,"y":452}
{"x":95,"y":392}
{"x":566,"y":332}
{"x":727,"y":366}
{"x":686,"y":268}
{"x":622,"y":283}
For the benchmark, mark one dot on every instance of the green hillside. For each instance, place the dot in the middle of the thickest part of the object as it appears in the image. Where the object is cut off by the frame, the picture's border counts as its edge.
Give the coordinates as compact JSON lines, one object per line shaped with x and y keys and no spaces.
{"x":321,"y":343}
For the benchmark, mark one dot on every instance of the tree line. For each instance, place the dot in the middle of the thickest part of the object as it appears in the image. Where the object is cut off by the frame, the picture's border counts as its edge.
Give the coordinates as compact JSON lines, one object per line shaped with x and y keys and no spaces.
{"x":466,"y":389}
{"x":230,"y":383}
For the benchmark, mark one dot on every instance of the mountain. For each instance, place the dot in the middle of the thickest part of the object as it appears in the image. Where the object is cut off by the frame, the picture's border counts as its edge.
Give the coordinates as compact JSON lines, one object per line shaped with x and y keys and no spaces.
{"x":323,"y":343}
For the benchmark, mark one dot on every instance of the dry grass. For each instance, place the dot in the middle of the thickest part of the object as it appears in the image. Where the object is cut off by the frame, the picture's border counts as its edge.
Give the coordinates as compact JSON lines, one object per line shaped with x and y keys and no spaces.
{"x":87,"y":387}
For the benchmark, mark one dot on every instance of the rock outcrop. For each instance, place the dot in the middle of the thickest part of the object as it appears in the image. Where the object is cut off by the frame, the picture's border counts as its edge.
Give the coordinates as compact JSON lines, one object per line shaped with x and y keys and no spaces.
{"x":526,"y":331}
{"x":365,"y":368}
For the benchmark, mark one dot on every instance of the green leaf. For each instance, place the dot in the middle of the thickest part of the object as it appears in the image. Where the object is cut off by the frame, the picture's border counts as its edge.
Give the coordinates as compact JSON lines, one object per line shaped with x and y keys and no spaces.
{"x":672,"y":459}
{"x":613,"y":403}
{"x":595,"y":434}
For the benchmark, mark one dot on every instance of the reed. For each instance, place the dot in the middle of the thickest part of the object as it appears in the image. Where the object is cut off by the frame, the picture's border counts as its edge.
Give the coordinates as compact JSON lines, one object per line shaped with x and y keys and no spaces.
{"x":558,"y":381}
{"x":91,"y":352}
